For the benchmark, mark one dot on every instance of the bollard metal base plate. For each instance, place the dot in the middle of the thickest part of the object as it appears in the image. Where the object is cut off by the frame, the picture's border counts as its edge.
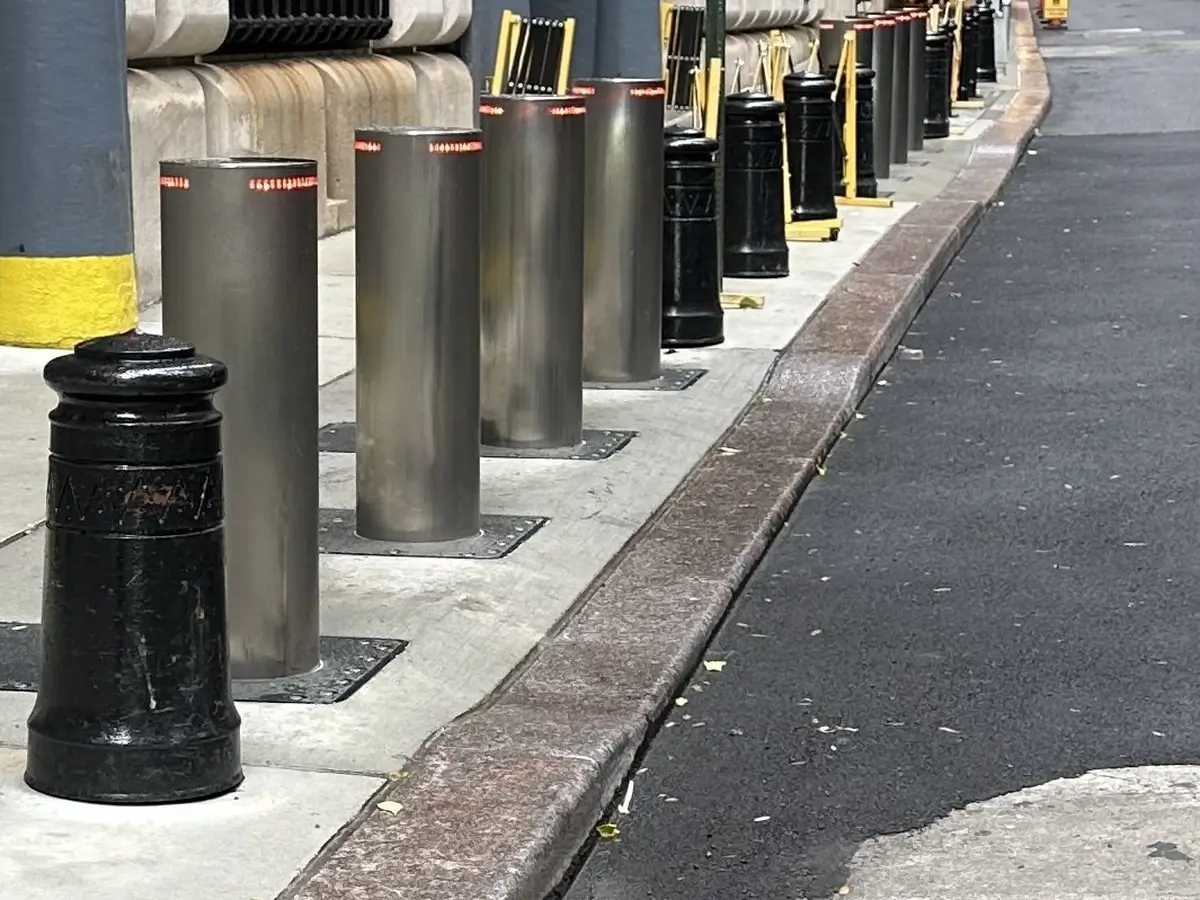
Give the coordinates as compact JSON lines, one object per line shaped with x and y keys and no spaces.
{"x":347,"y":663}
{"x":500,"y":535}
{"x":669,"y":380}
{"x":341,"y":437}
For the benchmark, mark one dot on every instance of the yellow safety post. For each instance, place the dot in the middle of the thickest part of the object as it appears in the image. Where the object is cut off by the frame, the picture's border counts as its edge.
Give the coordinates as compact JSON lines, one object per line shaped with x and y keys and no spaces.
{"x":714,"y":84}
{"x":564,"y":64}
{"x":1054,"y":13}
{"x":848,"y":70}
{"x":510,"y":24}
{"x":960,"y":8}
{"x":796,"y":232}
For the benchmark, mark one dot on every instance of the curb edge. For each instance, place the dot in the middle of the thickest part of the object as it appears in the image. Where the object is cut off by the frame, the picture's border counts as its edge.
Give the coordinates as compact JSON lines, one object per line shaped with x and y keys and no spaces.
{"x":499,"y":802}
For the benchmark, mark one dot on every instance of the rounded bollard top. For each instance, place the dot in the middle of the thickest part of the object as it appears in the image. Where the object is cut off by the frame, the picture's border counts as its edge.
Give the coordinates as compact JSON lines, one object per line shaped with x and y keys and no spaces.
{"x":682,"y":142}
{"x":240,"y":163}
{"x":135,"y":365}
{"x":809,"y":84}
{"x":752,"y":105}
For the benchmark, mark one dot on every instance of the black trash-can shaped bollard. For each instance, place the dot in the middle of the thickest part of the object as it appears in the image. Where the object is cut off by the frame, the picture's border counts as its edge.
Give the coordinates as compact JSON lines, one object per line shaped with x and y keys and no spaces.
{"x":134,"y":703}
{"x":976,"y":38}
{"x":986,"y":23}
{"x":937,"y":85}
{"x":692,"y":314}
{"x":865,"y":182}
{"x":968,"y":61}
{"x":812,"y":145}
{"x":754,"y":235}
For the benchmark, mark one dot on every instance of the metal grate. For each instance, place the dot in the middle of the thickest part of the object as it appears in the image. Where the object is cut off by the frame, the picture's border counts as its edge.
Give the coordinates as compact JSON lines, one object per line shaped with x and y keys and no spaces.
{"x":683,"y":52}
{"x":274,"y":26}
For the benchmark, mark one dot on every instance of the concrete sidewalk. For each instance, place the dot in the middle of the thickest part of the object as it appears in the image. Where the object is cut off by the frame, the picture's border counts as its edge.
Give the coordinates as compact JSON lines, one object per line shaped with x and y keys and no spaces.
{"x":468,"y":623}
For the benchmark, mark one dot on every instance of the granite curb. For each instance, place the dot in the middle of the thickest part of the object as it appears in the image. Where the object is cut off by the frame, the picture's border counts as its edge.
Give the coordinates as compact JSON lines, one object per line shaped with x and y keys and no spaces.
{"x":499,"y":802}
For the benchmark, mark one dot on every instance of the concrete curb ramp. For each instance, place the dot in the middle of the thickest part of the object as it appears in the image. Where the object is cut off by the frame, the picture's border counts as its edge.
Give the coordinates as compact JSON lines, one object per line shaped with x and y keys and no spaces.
{"x":501,"y":800}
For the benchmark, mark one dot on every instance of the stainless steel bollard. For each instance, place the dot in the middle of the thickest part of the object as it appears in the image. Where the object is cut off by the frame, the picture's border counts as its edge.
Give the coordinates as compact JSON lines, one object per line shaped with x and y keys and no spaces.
{"x":623,"y":229}
{"x":239,"y":259}
{"x":900,"y":87}
{"x":831,"y":38}
{"x":884,"y":64}
{"x":532,"y":340}
{"x":916,"y":78}
{"x":417,"y":259}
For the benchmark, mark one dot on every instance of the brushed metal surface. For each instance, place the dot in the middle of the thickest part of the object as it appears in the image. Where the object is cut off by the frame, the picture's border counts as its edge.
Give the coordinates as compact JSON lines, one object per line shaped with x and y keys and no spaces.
{"x":417,"y":194}
{"x":532,"y":338}
{"x":623,"y":228}
{"x":917,"y":91}
{"x":239,"y":258}
{"x":884,"y":63}
{"x":900,"y":88}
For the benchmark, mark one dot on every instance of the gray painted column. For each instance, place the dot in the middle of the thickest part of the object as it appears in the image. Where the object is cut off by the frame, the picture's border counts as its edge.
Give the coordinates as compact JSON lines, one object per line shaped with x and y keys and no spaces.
{"x":583,"y":59}
{"x":613,"y":38}
{"x":66,"y":220}
{"x":628,"y":42}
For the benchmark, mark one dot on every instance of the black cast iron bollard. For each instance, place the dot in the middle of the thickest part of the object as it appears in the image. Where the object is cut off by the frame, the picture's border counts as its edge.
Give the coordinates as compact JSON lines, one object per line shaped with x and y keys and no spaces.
{"x":811,"y":123}
{"x":986,"y":21}
{"x":976,"y":38}
{"x":134,"y":703}
{"x":969,"y":60}
{"x":754,"y":237}
{"x":692,"y":314}
{"x":937,"y":85}
{"x":866,"y":184}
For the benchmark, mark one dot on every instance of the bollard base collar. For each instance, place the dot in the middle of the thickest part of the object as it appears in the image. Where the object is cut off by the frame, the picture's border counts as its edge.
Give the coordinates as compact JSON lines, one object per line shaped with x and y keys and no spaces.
{"x":704,"y":330}
{"x":94,"y":773}
{"x":757,"y":263}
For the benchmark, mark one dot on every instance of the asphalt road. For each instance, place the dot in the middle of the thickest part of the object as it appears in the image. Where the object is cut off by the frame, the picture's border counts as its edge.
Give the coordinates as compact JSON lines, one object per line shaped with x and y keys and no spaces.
{"x":995,"y":585}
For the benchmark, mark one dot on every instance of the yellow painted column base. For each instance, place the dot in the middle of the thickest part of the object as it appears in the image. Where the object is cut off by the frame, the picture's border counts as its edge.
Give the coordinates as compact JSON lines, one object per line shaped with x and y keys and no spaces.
{"x":58,"y":302}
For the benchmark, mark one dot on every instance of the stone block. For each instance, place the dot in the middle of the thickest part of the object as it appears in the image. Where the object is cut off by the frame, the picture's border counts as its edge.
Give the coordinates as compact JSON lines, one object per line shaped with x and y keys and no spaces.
{"x":456,"y":16}
{"x":762,"y":15}
{"x":166,"y":121}
{"x":270,"y":109}
{"x":445,"y":90}
{"x":415,"y":23}
{"x":360,"y":92}
{"x":189,"y":27}
{"x":139,"y":27}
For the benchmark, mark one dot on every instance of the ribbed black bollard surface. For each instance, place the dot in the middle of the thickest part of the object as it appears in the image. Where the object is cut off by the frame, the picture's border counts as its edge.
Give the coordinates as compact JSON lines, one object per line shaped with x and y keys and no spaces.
{"x":692,"y":314}
{"x":134,"y":704}
{"x":866,"y":184}
{"x":937,"y":85}
{"x":811,"y":123}
{"x":986,"y":21}
{"x":754,"y":237}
